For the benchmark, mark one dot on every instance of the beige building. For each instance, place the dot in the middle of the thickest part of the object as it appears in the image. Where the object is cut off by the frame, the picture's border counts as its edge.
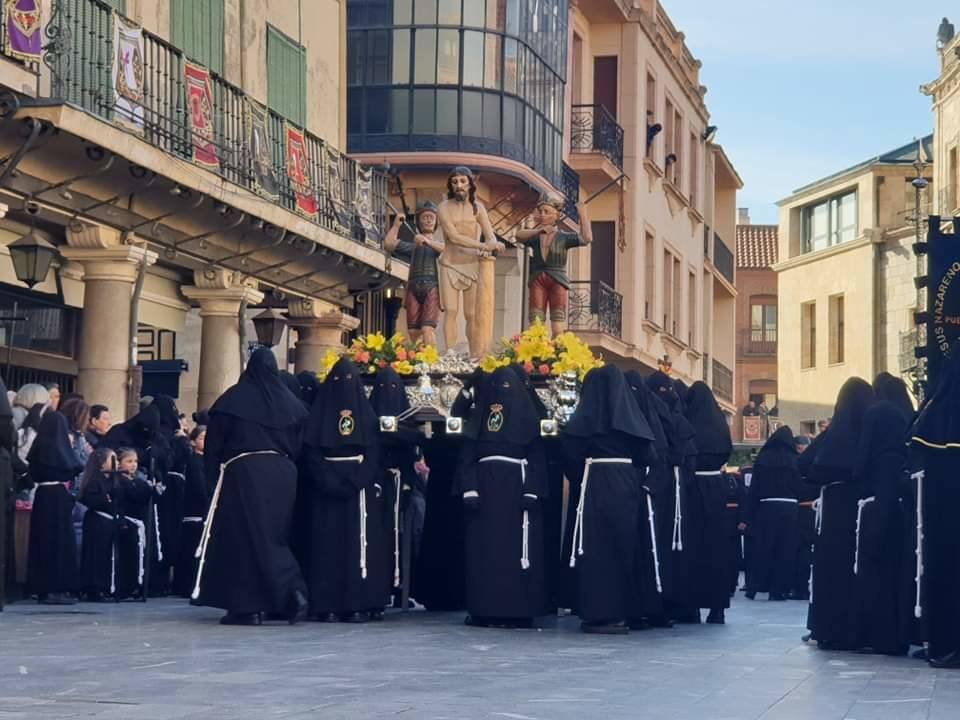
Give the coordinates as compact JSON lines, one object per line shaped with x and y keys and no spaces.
{"x":195,"y":145}
{"x":846,"y":294}
{"x":658,"y":283}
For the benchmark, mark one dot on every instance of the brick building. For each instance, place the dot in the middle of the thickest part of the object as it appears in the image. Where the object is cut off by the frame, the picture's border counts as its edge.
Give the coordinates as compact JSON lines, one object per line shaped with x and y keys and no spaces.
{"x":756,"y":373}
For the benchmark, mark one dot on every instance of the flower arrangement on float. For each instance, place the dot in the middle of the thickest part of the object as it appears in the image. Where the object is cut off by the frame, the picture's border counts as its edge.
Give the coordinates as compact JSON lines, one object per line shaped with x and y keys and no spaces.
{"x":543,"y":356}
{"x":376,"y":351}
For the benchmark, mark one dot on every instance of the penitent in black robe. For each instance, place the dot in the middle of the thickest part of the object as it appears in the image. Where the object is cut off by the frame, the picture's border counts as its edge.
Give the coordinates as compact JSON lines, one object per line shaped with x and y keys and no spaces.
{"x":833,"y":597}
{"x":114,"y":542}
{"x":772,"y":516}
{"x":606,"y":440}
{"x":884,"y":608}
{"x":196,"y":505}
{"x":52,"y":561}
{"x":711,"y":490}
{"x":502,"y":478}
{"x":246,"y":565}
{"x":347,"y":554}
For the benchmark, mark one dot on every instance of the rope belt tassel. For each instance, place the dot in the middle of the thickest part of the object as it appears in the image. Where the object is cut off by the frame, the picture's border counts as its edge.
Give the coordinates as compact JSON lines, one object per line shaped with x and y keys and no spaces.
{"x":578,"y":527}
{"x":653,"y":541}
{"x":396,"y":525}
{"x":919,"y":477}
{"x":861,"y":504}
{"x":677,"y":543}
{"x":525,"y":544}
{"x":358,"y":459}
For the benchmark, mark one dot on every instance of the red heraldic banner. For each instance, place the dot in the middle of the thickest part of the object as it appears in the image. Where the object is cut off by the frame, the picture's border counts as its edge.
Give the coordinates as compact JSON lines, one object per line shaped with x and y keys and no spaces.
{"x":298,"y":170}
{"x":200,"y":97}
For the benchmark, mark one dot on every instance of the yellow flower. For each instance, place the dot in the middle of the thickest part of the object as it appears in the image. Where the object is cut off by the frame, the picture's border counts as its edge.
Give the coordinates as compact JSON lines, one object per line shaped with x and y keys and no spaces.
{"x":397,"y":339}
{"x":490,"y":363}
{"x":329,"y":360}
{"x":403,"y":367}
{"x":376,"y":341}
{"x":427,"y":354}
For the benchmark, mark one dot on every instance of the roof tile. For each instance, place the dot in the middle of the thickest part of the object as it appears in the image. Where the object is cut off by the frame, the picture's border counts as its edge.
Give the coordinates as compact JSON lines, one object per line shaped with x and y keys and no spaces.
{"x":756,"y":246}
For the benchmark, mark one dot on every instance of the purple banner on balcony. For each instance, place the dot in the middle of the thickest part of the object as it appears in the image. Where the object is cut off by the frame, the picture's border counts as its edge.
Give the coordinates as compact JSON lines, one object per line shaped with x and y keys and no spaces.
{"x":128,"y":73}
{"x":259,"y":146}
{"x":21,"y":19}
{"x":200,"y":99}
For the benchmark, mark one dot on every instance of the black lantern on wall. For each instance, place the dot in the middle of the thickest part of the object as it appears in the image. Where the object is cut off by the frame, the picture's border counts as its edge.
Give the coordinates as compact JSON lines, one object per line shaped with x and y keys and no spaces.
{"x":269,"y":326}
{"x":32,"y":256}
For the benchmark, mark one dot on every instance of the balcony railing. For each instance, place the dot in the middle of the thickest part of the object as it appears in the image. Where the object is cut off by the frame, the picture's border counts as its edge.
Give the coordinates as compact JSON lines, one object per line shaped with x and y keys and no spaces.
{"x":571,"y":192}
{"x":722,"y":381}
{"x":80,"y":57}
{"x":759,"y":342}
{"x":723,"y":258}
{"x":594,"y":129}
{"x":595,"y":306}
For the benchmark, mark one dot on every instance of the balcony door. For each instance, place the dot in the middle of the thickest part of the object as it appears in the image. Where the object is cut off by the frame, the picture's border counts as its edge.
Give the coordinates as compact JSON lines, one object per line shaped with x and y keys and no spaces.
{"x":603,"y":259}
{"x":605,"y":83}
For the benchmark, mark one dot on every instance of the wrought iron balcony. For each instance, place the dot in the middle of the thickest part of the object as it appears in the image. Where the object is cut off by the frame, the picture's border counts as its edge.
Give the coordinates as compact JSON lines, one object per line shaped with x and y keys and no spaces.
{"x":595,"y":306}
{"x":593,"y":129}
{"x":80,"y":57}
{"x":759,"y":343}
{"x":722,"y":381}
{"x":723,"y":258}
{"x":571,"y":192}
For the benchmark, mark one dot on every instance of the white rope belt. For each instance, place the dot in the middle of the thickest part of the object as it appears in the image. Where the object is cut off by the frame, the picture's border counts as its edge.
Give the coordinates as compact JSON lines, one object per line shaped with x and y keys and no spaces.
{"x":50,"y":484}
{"x":214,"y":502}
{"x":919,"y":477}
{"x":677,"y":543}
{"x":793,"y":501}
{"x":818,"y":523}
{"x":113,"y":555}
{"x":179,"y":475}
{"x":358,"y":459}
{"x":396,"y":525}
{"x":193,"y":519}
{"x":576,"y":547}
{"x":653,"y":540}
{"x":522,"y":462}
{"x":156,"y":530}
{"x":709,"y":473}
{"x":861,"y":504}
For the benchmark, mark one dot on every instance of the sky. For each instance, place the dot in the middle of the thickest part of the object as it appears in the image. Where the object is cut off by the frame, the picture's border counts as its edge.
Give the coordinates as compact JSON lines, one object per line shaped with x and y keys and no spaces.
{"x":800,"y":90}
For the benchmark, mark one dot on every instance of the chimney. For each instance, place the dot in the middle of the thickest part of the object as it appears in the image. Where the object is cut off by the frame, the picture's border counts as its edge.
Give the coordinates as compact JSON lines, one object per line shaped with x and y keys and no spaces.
{"x":743,"y":216}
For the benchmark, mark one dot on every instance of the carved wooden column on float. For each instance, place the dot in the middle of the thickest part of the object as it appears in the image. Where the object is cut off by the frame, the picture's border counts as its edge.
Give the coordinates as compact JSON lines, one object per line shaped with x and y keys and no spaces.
{"x":480,"y":335}
{"x":219,"y":294}
{"x":320,"y":327}
{"x":110,"y":268}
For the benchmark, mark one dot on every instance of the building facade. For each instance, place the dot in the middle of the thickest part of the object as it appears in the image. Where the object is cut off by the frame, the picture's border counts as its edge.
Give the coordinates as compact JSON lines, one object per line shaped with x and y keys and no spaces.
{"x":757,"y":329}
{"x":185,"y":159}
{"x":846,"y":292}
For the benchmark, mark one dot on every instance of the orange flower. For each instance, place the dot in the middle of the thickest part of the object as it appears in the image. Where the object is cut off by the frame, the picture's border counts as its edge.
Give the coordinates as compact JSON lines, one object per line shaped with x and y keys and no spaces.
{"x":544,"y":369}
{"x":528,"y":366}
{"x":382,"y":363}
{"x":362,"y":357}
{"x":401,"y":354}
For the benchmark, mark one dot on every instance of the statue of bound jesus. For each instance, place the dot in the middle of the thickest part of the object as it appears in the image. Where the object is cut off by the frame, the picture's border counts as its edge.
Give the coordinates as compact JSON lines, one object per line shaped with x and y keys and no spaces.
{"x":469,"y":239}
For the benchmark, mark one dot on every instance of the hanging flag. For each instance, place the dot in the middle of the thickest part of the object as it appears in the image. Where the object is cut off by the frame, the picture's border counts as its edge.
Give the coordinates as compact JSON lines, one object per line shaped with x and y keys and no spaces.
{"x":260,"y":148}
{"x":200,"y":102}
{"x":334,"y":189}
{"x":21,"y":20}
{"x":298,"y":170}
{"x":364,"y":205}
{"x":128,"y":73}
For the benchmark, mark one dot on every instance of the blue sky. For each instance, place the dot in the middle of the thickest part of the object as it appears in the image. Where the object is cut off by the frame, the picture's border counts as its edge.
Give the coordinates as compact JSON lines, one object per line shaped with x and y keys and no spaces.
{"x":800,"y":90}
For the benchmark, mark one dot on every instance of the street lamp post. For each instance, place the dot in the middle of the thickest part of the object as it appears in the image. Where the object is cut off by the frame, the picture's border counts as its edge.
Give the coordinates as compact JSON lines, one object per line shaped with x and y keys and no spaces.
{"x":920,"y":183}
{"x":269,"y":327}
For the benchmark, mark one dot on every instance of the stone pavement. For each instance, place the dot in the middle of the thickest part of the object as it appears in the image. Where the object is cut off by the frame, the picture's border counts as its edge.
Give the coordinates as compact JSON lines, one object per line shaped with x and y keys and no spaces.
{"x":165,"y":660}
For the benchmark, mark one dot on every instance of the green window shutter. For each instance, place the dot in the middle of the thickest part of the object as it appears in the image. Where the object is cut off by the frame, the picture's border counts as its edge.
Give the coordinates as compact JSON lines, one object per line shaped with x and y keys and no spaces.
{"x":196,"y":27}
{"x":286,"y":77}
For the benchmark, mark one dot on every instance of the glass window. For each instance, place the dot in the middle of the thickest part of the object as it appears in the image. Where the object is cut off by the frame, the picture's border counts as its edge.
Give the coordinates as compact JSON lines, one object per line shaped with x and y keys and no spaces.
{"x":424,"y":112}
{"x":830,"y":222}
{"x":425,"y":62}
{"x":491,"y":116}
{"x":497,"y":15}
{"x":377,"y":111}
{"x":473,"y":114}
{"x":449,"y":12}
{"x":510,"y":66}
{"x":447,"y":112}
{"x":448,"y":57}
{"x":401,"y":57}
{"x":513,"y":16}
{"x":425,"y":12}
{"x":399,"y":112}
{"x":473,"y":13}
{"x":491,"y":62}
{"x":512,"y":129}
{"x":378,"y":57}
{"x":472,"y":59}
{"x":402,"y":12}
{"x":355,"y":110}
{"x":356,"y":46}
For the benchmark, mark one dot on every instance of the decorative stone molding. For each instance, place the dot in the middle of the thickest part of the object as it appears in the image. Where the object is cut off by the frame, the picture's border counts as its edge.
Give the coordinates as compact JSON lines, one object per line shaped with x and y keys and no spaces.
{"x":118,"y":263}
{"x":308,"y":308}
{"x":221,"y":279}
{"x":221,"y":301}
{"x":84,"y":235}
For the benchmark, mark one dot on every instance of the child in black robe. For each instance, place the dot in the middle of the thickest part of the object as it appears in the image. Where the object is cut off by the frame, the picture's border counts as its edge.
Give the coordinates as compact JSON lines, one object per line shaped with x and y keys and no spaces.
{"x":52,"y":572}
{"x":196,"y":503}
{"x":772,"y":518}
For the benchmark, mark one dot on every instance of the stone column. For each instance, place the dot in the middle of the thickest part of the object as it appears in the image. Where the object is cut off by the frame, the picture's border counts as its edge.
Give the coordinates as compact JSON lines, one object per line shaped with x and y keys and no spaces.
{"x":219,"y":295}
{"x":320,"y":327}
{"x":109,"y":272}
{"x":480,"y":335}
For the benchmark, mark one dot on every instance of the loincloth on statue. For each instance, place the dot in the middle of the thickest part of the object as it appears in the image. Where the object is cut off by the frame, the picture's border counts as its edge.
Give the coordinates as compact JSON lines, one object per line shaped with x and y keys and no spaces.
{"x":422,"y":305}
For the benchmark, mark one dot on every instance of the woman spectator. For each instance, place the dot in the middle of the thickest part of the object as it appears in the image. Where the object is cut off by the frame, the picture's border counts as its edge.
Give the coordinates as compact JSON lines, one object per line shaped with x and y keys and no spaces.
{"x":53,"y":389}
{"x":27,"y":397}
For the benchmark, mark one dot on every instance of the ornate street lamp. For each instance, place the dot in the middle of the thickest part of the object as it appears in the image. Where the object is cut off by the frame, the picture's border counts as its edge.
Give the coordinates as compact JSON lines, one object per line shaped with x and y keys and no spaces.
{"x":269,"y":326}
{"x":32,"y":256}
